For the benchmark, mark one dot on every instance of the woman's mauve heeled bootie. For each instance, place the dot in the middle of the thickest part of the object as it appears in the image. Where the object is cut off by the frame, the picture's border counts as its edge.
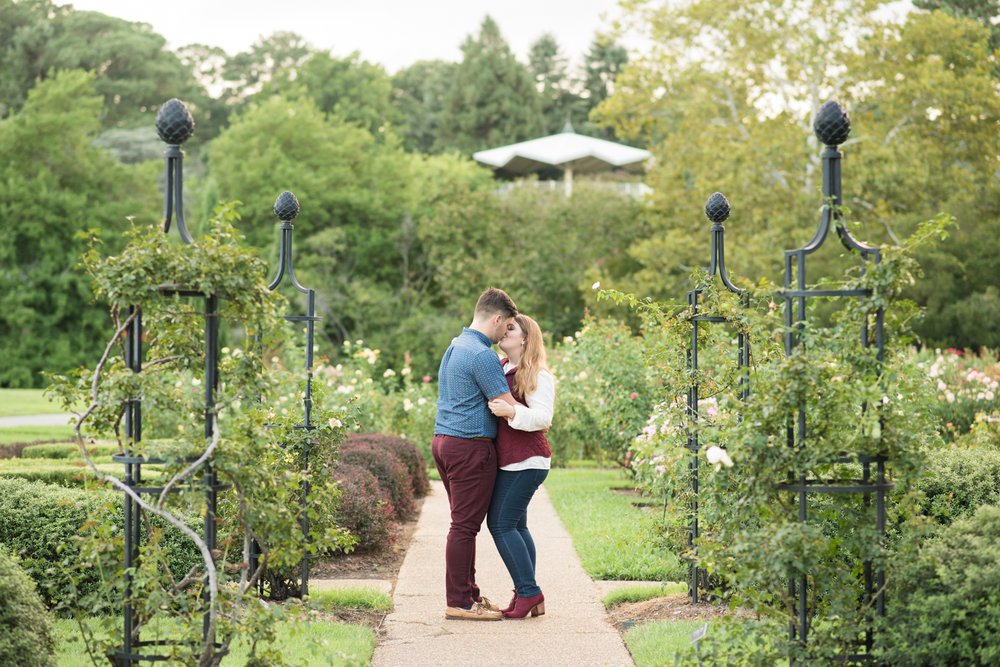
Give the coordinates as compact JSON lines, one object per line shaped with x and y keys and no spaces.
{"x":534,"y":605}
{"x":510,"y":607}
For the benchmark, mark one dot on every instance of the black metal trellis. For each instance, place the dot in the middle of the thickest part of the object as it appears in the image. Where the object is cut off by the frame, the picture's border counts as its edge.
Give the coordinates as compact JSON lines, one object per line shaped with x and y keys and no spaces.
{"x":717,"y":210}
{"x":174,"y":125}
{"x":286,"y":207}
{"x":832,"y":126}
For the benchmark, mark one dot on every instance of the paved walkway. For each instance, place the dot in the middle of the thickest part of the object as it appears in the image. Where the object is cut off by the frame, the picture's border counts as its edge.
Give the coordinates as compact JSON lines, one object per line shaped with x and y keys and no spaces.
{"x":36,"y":420}
{"x":574,"y":630}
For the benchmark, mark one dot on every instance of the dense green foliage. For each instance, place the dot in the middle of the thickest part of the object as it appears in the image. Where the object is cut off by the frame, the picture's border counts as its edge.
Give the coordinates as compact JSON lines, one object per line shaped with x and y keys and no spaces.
{"x":132,"y":66}
{"x":491,"y":101}
{"x":54,"y":184}
{"x":609,"y":533}
{"x":212,"y":440}
{"x":604,"y":395}
{"x":724,"y":98}
{"x":363,"y":196}
{"x":946,"y":600}
{"x":25,"y":637}
{"x":752,"y":540}
{"x":42,"y":523}
{"x":958,"y":481}
{"x":377,"y":217}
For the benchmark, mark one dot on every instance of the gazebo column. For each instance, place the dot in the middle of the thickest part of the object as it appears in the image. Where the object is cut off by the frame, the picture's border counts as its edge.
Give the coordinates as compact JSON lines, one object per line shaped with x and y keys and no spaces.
{"x":568,"y":181}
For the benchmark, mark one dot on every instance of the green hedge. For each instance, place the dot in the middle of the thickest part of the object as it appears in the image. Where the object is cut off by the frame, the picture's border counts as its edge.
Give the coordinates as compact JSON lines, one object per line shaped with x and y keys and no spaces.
{"x":61,"y":473}
{"x":958,"y":481}
{"x":68,"y":450}
{"x":38,"y":522}
{"x":25,"y":636}
{"x":945,"y":603}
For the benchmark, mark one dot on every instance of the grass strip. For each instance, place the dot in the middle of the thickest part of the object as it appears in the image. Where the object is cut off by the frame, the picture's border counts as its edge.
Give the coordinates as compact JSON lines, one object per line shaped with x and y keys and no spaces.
{"x":23,"y":402}
{"x":299,"y":642}
{"x":352,"y":598}
{"x":610,"y":535}
{"x":655,"y":643}
{"x":641,"y":593}
{"x":14,"y":434}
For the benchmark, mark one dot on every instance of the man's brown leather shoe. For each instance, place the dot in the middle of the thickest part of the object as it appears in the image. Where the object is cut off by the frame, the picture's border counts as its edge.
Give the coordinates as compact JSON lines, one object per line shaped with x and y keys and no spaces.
{"x":478,"y":612}
{"x":485,"y":601}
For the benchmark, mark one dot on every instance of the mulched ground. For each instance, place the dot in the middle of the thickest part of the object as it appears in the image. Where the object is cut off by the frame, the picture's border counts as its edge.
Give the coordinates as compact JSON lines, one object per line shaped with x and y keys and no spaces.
{"x":381,"y":563}
{"x":673,"y":607}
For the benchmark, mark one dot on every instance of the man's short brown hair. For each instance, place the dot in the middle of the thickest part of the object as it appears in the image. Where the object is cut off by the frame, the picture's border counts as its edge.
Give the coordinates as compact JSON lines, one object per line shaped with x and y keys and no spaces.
{"x":494,"y":301}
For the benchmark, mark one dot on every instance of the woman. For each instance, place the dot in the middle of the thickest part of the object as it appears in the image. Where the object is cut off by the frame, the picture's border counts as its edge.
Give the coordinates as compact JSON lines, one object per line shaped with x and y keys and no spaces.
{"x":524,"y":458}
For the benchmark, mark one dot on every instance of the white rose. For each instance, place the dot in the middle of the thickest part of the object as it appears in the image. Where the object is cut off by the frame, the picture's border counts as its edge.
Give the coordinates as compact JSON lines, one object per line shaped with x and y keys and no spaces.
{"x":718,"y":457}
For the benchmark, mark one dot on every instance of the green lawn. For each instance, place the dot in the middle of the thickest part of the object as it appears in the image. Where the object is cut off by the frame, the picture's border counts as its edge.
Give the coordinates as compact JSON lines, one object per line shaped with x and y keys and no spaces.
{"x":656,"y":643}
{"x":608,"y":531}
{"x":300,"y":643}
{"x":35,"y":434}
{"x":21,"y":402}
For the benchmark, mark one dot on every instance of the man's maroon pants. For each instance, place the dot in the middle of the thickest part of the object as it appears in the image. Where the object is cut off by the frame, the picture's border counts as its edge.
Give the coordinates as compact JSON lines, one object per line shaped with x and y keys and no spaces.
{"x":468,"y":469}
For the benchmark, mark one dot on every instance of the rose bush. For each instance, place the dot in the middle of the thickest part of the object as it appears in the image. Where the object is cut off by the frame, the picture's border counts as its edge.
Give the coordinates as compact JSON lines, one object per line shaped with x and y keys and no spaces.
{"x":968,"y":387}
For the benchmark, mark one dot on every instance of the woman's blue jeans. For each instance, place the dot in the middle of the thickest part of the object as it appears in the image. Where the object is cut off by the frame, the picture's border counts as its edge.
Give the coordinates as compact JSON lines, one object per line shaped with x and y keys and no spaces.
{"x":508,"y":524}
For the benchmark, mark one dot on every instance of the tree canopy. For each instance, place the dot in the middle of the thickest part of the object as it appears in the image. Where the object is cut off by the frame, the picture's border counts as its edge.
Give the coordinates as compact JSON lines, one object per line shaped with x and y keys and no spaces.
{"x":400,"y":230}
{"x":54,"y":186}
{"x":725,"y":99}
{"x":492,"y":100}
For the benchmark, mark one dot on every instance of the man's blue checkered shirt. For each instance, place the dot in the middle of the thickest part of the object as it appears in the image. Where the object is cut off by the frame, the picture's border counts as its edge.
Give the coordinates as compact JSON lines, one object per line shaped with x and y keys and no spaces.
{"x":470,"y":375}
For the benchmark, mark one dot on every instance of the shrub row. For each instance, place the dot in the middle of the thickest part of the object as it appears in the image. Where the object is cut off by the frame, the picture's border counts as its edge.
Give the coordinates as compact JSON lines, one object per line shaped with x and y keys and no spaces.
{"x":25,"y":636}
{"x":365,"y":509}
{"x":408,"y":453}
{"x":38,"y":522}
{"x":381,"y":477}
{"x":958,"y":481}
{"x":946,"y":601}
{"x":13,"y":450}
{"x":60,"y":463}
{"x":59,"y":472}
{"x":67,"y":450}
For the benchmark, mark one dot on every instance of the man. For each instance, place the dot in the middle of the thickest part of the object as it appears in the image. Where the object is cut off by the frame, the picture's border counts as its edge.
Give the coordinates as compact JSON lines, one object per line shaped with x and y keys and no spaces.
{"x":463,"y":447}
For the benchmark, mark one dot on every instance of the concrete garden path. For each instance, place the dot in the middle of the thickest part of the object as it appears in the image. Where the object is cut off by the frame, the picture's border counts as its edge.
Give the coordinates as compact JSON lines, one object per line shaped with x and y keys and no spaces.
{"x":574,"y":630}
{"x":36,"y":420}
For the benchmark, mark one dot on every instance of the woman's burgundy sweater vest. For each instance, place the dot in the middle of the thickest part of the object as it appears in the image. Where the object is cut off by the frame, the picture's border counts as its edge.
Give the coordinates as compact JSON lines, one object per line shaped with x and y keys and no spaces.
{"x":514,"y":446}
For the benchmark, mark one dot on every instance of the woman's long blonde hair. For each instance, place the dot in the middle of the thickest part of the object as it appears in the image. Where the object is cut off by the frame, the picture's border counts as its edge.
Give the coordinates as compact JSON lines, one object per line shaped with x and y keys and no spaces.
{"x":533,"y":358}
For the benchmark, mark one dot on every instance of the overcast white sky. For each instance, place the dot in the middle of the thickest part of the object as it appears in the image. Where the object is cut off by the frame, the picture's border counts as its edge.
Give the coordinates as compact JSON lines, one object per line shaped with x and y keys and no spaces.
{"x":395,"y":33}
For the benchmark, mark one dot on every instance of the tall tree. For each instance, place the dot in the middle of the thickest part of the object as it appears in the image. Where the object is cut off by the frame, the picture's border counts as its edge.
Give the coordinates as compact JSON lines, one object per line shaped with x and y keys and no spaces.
{"x":135,"y":72}
{"x":985,"y":12}
{"x":492,"y":100}
{"x":25,"y":27}
{"x":269,"y":66}
{"x":54,"y":186}
{"x":209,"y":103}
{"x":351,"y":89}
{"x":932,"y":106}
{"x":559,"y":101}
{"x":726,"y":99}
{"x":356,"y":238}
{"x":604,"y":61}
{"x":419,"y":93}
{"x":503,"y":240}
